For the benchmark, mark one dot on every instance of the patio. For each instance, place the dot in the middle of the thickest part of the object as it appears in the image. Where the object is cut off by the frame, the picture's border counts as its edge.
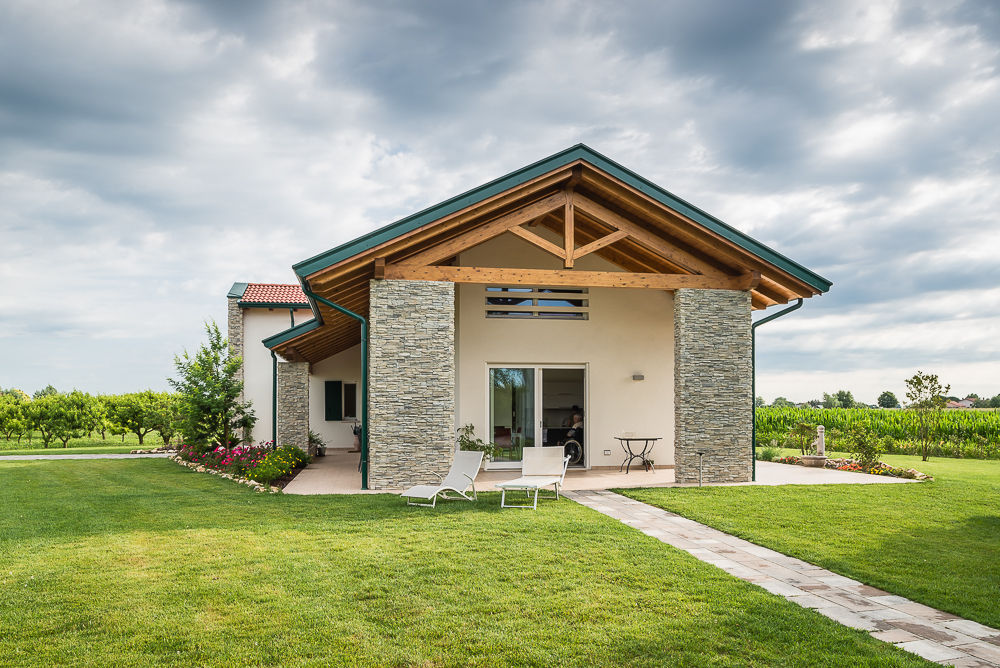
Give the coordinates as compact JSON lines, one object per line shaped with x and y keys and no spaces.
{"x":337,"y":473}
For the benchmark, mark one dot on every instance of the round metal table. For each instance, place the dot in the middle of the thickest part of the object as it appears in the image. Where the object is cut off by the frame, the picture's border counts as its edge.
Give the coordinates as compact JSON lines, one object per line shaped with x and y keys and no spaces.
{"x":642,"y":455}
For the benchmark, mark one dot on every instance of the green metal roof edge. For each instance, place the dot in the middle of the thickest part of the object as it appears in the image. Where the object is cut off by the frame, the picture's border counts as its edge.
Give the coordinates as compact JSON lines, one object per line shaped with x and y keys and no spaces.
{"x":290,"y":333}
{"x":236,"y":292}
{"x":582,"y":152}
{"x":295,"y":305}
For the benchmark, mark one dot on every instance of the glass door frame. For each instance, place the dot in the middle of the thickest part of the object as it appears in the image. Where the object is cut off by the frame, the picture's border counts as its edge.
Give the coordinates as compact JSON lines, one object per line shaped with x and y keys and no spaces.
{"x":539,"y":414}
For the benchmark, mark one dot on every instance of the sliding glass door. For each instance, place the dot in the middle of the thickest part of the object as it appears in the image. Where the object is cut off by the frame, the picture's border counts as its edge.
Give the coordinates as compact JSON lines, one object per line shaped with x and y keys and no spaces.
{"x":533,"y":406}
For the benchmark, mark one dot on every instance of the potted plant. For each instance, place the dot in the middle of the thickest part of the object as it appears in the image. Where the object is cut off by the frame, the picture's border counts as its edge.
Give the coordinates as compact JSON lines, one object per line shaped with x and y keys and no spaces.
{"x":317,"y":445}
{"x":467,"y":441}
{"x":356,"y":430}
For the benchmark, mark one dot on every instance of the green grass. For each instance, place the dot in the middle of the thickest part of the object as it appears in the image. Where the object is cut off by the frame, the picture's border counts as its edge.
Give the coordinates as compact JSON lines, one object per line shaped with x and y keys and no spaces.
{"x":79,"y":446}
{"x":143,"y":562}
{"x":934,"y":542}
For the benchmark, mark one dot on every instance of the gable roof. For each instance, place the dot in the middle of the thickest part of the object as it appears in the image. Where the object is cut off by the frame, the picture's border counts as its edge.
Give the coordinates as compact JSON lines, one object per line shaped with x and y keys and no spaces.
{"x":269,"y":295}
{"x":583,"y":152}
{"x":624,"y":218}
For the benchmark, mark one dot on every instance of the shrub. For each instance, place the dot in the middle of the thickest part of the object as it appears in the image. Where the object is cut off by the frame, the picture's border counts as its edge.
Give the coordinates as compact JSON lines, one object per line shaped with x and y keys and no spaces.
{"x":467,"y":441}
{"x":279,"y":463}
{"x":866,"y":446}
{"x":768,"y":453}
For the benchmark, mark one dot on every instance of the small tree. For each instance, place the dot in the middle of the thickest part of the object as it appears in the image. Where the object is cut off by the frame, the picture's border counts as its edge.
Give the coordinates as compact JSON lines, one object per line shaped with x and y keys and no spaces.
{"x":925,"y":394}
{"x":759,"y":402}
{"x":845,"y":399}
{"x":782,"y":402}
{"x":136,"y":412}
{"x":69,"y":416}
{"x":212,"y":408}
{"x":12,"y":418}
{"x":41,"y":416}
{"x":888,"y":400}
{"x":866,"y":446}
{"x":801,"y":436}
{"x":168,"y":415}
{"x":830,"y":401}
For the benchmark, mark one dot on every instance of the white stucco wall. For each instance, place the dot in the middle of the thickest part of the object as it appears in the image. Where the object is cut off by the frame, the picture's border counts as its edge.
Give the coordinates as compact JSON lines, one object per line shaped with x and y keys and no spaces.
{"x":345,"y":367}
{"x":258,"y":324}
{"x":629,"y":331}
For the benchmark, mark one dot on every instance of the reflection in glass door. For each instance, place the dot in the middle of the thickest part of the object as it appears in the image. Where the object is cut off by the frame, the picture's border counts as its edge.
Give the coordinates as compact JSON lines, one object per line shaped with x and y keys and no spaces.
{"x":512,"y":412}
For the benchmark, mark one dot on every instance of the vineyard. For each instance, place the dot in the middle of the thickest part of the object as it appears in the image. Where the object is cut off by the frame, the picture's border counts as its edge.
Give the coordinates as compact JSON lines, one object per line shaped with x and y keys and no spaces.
{"x":960,"y":433}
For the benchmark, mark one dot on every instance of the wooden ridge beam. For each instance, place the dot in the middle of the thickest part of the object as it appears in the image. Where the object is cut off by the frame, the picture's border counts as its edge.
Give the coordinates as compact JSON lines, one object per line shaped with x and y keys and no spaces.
{"x":574,"y":278}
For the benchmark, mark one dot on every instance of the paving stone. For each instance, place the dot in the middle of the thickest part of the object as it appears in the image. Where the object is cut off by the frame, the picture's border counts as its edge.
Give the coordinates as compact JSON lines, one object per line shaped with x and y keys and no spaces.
{"x":932,"y":631}
{"x":839,"y":613}
{"x":895,"y":636}
{"x":849,"y":601}
{"x":780,"y":588}
{"x":888,"y":600}
{"x":884,"y":614}
{"x":969,"y":662}
{"x":931,"y":651}
{"x":970,"y":628}
{"x":923,"y":611}
{"x":982,"y":650}
{"x":809,"y":601}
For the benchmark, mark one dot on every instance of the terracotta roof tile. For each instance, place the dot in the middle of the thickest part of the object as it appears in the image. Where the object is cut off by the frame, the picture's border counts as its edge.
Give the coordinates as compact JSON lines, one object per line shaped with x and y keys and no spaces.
{"x":273,"y":293}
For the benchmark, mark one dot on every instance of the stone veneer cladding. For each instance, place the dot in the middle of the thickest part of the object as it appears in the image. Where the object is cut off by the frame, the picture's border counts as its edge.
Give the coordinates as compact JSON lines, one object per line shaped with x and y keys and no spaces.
{"x":293,"y":404}
{"x":411,"y":365}
{"x":712,"y":385}
{"x":234,"y":333}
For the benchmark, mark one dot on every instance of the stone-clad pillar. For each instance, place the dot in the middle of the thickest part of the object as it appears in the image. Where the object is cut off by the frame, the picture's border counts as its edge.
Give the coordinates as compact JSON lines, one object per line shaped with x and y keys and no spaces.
{"x":293,"y":404}
{"x":235,"y":329}
{"x":411,"y":423}
{"x":712,"y":385}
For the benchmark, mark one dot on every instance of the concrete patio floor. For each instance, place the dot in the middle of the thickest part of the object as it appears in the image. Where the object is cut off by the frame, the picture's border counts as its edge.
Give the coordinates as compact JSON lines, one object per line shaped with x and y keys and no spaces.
{"x":337,"y":473}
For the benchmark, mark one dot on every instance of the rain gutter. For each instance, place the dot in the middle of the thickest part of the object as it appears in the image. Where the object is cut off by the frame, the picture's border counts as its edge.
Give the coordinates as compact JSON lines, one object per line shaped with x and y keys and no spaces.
{"x":753,"y":379}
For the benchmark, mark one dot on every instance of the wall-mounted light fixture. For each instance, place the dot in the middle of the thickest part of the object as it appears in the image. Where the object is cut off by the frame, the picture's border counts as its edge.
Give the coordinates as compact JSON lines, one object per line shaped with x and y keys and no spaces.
{"x":638,"y":376}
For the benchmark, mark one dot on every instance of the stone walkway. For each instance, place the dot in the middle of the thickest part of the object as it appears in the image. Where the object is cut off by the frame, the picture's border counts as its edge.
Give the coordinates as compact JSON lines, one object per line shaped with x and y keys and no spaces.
{"x":932,"y":634}
{"x":123,"y":455}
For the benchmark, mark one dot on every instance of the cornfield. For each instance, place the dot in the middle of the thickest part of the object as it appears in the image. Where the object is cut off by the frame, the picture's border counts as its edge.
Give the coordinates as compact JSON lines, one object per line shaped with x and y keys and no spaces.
{"x":959,"y":433}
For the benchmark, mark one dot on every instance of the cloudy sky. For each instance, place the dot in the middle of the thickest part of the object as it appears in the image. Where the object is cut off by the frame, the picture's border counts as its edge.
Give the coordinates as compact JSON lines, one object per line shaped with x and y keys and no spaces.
{"x":152,"y":153}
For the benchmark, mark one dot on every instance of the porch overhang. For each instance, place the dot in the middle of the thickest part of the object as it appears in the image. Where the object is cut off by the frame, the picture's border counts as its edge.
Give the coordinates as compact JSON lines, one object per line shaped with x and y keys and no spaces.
{"x":572,"y":204}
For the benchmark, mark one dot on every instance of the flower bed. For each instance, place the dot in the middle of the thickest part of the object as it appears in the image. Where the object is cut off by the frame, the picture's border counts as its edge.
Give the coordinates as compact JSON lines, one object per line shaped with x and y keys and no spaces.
{"x":258,"y":466}
{"x":854,"y":466}
{"x":878,"y":468}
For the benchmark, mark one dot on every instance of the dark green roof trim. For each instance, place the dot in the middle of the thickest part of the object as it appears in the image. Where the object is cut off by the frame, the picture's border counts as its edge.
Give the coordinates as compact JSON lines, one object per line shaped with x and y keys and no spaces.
{"x":297,"y":305}
{"x":553,"y":162}
{"x":236,"y":292}
{"x":290,"y":333}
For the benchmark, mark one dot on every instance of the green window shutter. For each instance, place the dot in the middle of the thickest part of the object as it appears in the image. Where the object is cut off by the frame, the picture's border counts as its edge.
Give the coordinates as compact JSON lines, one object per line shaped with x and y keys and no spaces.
{"x":334,"y":399}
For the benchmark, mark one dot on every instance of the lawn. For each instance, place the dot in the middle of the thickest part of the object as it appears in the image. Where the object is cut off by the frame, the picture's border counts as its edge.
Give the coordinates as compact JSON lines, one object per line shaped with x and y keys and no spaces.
{"x":143,"y":562}
{"x":79,"y":446}
{"x":935,"y":542}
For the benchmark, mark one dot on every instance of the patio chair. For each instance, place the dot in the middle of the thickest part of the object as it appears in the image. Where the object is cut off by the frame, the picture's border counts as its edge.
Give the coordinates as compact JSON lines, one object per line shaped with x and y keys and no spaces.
{"x":540,"y":468}
{"x":461,"y":477}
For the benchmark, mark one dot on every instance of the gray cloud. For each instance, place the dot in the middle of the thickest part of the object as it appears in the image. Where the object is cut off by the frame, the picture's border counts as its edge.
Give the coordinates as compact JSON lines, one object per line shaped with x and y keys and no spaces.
{"x":152,"y":153}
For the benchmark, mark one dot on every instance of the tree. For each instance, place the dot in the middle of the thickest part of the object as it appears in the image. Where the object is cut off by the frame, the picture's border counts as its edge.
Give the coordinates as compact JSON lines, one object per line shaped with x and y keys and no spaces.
{"x":13,"y":422}
{"x":47,"y":391}
{"x":801,"y":436}
{"x":814,"y":403}
{"x":830,"y":401}
{"x":168,"y":415}
{"x":18,"y":395}
{"x":759,"y":402}
{"x":69,"y":415}
{"x":41,"y":416}
{"x":846,"y":399}
{"x":888,"y":400}
{"x":925,"y":394}
{"x":136,"y":412}
{"x":782,"y":402}
{"x":212,"y":408}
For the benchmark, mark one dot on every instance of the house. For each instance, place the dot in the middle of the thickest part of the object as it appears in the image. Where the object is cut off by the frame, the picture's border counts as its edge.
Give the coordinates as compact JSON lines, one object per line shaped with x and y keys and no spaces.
{"x":566,"y":303}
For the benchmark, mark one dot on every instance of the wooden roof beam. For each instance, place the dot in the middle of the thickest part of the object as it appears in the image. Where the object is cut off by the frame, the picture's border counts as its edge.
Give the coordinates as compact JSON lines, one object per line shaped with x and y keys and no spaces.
{"x":574,"y":278}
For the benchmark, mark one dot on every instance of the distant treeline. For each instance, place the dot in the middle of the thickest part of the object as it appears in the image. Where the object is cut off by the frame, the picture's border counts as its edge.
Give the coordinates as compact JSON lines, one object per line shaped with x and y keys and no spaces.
{"x":61,"y":416}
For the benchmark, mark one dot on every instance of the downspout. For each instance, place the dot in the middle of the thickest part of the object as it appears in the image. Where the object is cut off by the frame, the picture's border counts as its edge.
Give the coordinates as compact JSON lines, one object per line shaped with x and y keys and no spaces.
{"x":753,"y":379}
{"x":274,"y":400}
{"x":364,"y":379}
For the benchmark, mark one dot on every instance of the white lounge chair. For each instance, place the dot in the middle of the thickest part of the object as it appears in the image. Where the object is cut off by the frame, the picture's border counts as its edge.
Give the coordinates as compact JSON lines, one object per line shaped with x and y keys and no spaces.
{"x":462,"y":476}
{"x":540,"y":467}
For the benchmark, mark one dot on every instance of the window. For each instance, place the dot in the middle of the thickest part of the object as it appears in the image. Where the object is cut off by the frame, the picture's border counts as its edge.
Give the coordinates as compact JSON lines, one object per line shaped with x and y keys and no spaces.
{"x":341,"y":400}
{"x":546,"y":303}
